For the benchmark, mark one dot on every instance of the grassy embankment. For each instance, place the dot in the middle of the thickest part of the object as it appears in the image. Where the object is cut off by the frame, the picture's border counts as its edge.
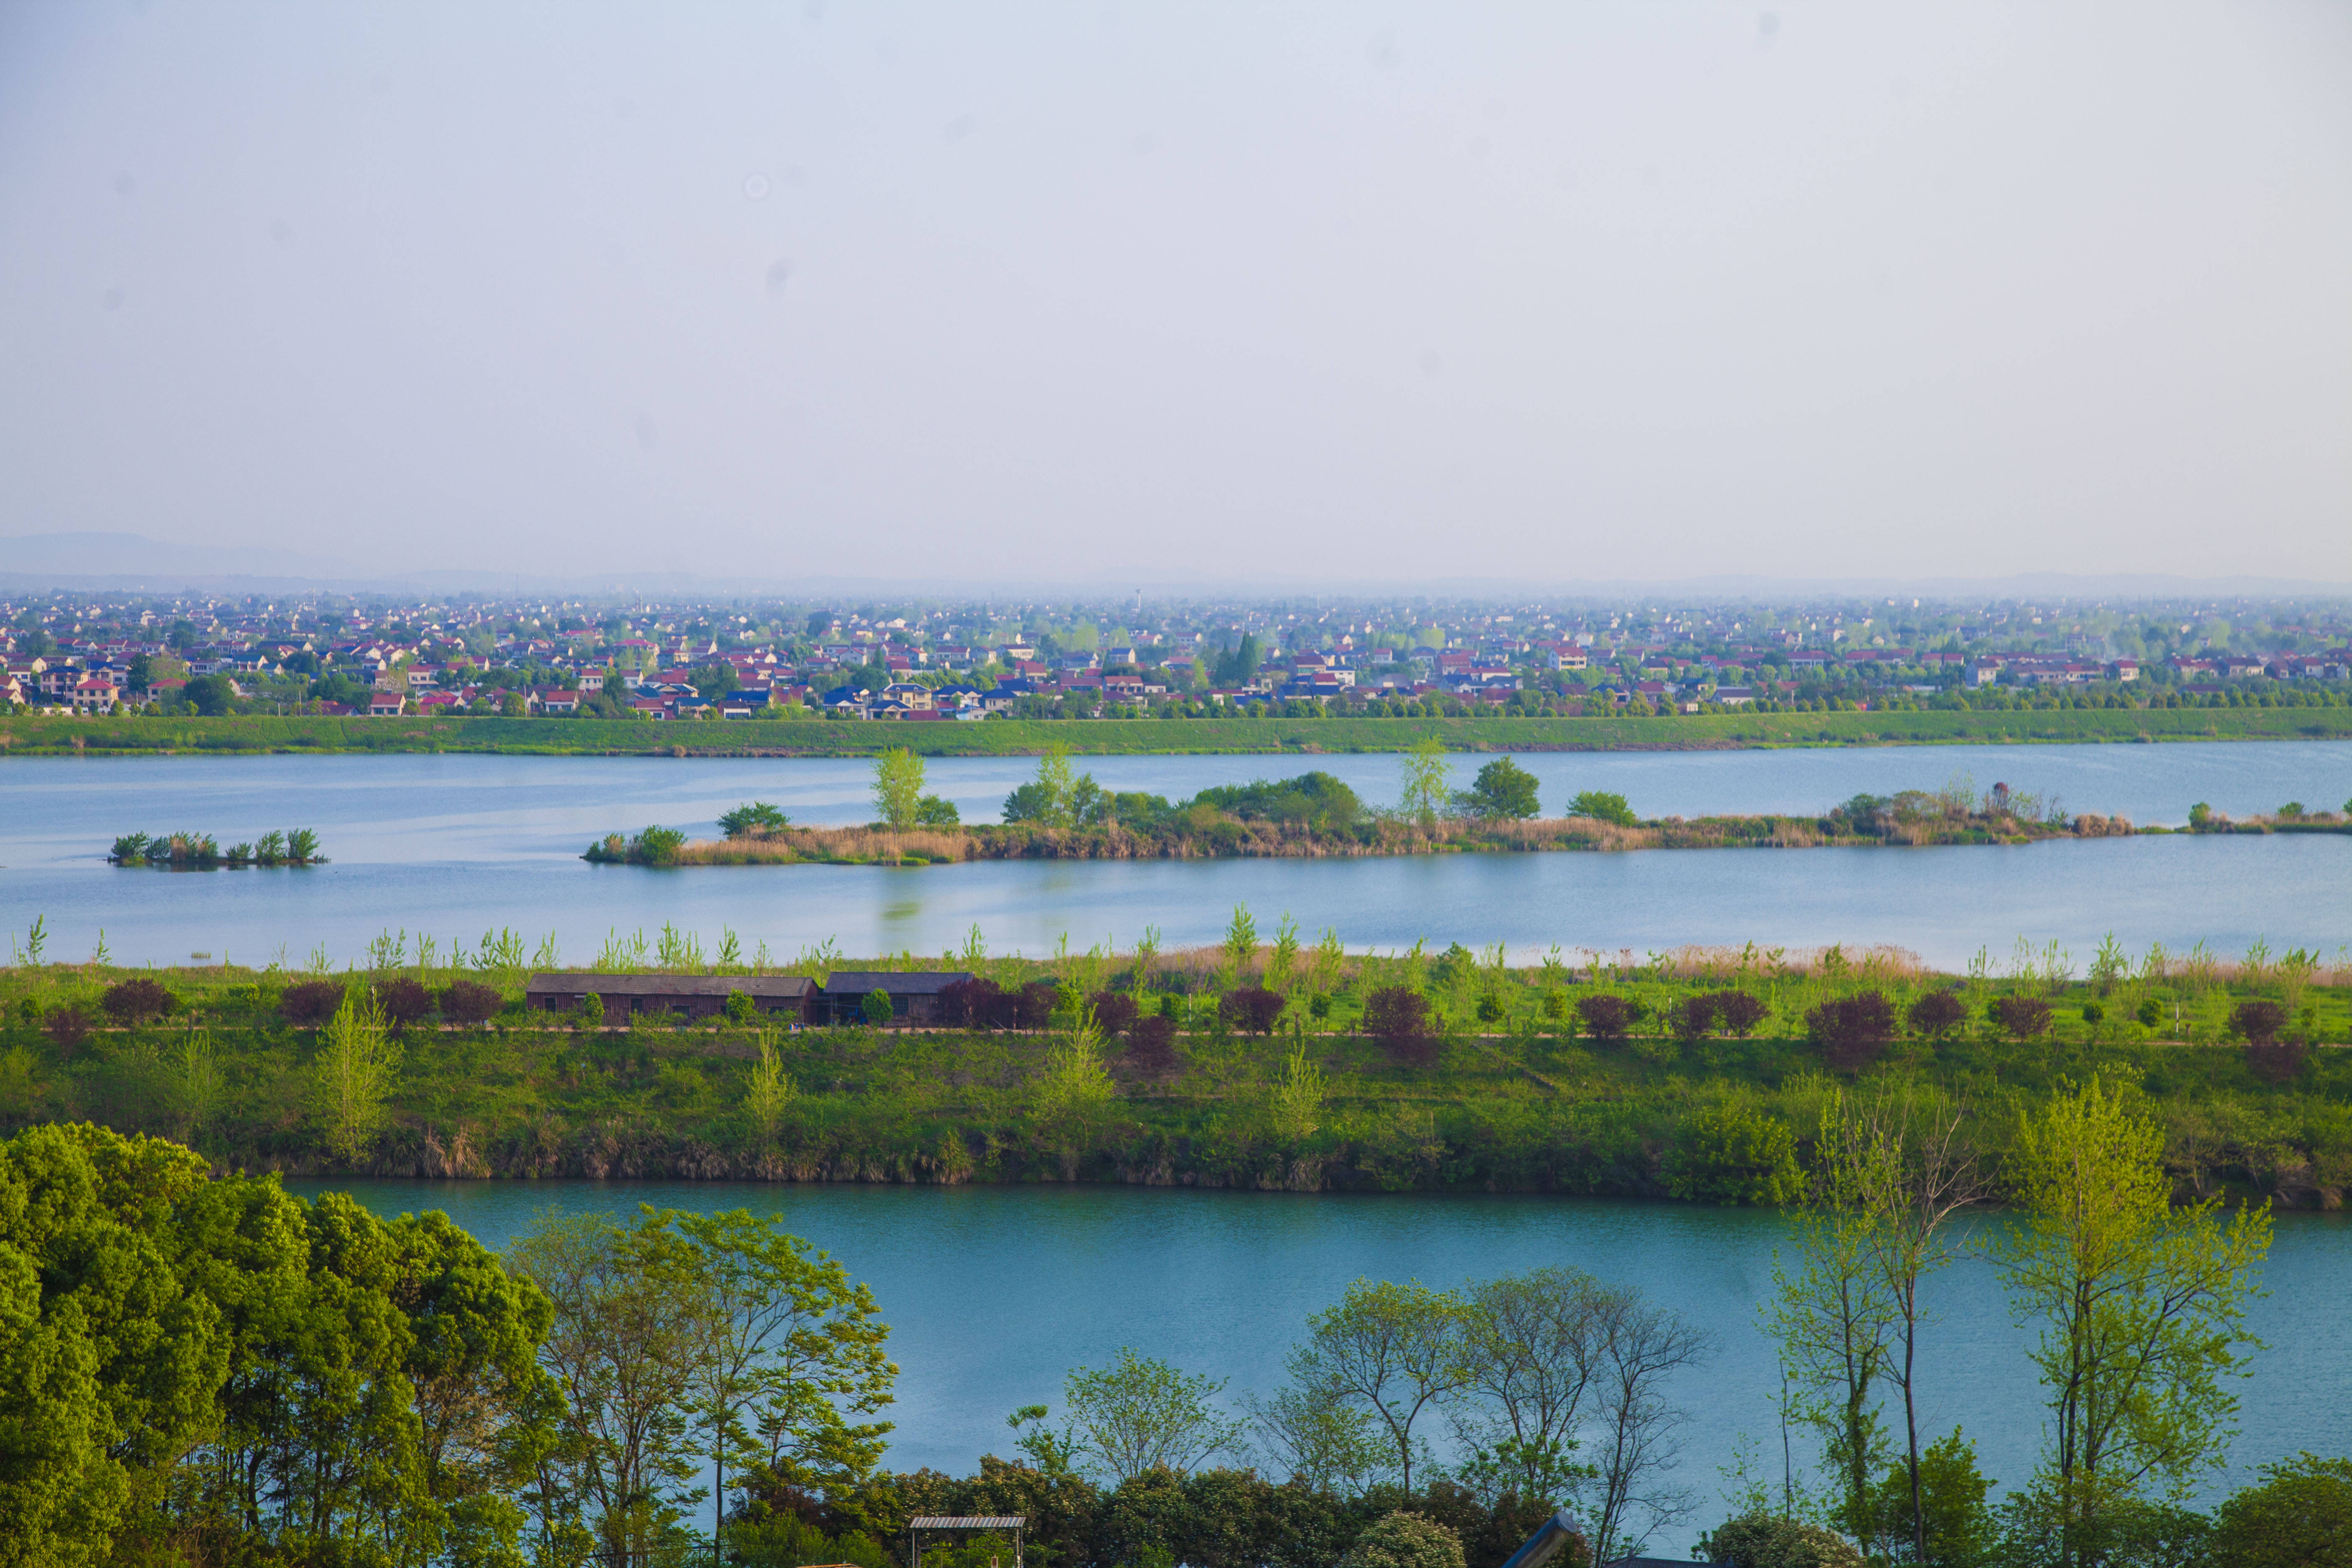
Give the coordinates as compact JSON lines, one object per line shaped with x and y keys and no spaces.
{"x":36,"y":735}
{"x":1509,"y":1096}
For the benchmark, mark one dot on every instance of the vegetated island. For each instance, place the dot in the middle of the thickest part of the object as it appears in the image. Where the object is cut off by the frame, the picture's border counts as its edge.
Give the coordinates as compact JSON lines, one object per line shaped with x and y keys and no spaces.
{"x":1280,"y":1063}
{"x":1065,"y":814}
{"x":28,"y":734}
{"x":203,"y":852}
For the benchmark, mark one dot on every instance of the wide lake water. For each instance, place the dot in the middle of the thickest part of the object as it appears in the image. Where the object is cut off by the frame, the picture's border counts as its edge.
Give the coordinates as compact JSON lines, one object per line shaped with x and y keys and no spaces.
{"x":993,"y":1294}
{"x":455,"y":844}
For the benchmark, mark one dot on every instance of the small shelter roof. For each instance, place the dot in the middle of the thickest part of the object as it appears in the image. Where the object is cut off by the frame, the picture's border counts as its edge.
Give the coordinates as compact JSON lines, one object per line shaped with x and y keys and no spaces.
{"x":968,"y":1521}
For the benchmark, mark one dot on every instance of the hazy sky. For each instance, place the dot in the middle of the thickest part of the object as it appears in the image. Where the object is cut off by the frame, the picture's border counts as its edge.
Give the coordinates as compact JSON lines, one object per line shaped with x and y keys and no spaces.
{"x":1349,"y":291}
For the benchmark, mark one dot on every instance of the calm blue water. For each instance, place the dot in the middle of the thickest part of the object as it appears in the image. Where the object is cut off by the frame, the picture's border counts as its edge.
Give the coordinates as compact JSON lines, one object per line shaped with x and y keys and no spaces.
{"x":453,"y":845}
{"x":992,"y":1294}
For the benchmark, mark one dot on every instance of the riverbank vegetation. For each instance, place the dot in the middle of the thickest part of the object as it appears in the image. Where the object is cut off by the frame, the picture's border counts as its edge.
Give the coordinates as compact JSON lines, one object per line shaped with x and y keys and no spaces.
{"x":1279,"y":1059}
{"x":2054,"y":719}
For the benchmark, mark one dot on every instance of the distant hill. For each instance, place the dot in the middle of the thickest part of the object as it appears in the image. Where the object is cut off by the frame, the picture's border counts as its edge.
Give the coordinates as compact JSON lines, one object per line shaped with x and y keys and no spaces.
{"x":127,"y":559}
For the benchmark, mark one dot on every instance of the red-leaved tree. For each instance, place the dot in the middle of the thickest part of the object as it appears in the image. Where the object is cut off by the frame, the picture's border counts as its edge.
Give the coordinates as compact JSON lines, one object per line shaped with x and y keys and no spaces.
{"x":470,"y":1002}
{"x":1398,"y":1017}
{"x":1251,"y":1010}
{"x":1938,"y":1014}
{"x":2021,"y":1017}
{"x":1852,"y":1031}
{"x":1606,"y":1018}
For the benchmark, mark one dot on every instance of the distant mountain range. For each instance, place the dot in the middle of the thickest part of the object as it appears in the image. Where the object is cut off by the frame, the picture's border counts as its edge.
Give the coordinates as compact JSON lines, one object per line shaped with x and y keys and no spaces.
{"x":133,"y":562}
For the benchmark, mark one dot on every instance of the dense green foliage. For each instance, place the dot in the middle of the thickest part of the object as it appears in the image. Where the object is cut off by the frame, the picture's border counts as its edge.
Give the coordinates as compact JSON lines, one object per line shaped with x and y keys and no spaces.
{"x":2298,"y":1516}
{"x":212,"y":1367}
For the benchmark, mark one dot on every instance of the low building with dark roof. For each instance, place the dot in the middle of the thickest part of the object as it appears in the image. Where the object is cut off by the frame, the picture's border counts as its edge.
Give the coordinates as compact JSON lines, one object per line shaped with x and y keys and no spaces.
{"x":914,"y":995}
{"x":787,"y":996}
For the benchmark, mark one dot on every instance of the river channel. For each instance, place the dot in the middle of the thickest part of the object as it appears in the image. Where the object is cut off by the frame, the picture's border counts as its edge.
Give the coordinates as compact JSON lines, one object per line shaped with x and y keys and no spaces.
{"x":992,"y":1294}
{"x":455,"y":844}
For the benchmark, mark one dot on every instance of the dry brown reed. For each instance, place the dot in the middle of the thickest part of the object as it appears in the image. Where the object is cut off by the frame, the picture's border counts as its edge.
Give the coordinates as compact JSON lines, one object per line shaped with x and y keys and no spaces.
{"x":1881,"y":961}
{"x":798,"y":844}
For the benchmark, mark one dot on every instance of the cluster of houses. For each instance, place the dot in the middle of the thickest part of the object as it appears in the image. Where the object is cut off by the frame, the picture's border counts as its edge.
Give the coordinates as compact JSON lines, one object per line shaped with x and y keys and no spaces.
{"x":921,"y":671}
{"x":2189,"y":675}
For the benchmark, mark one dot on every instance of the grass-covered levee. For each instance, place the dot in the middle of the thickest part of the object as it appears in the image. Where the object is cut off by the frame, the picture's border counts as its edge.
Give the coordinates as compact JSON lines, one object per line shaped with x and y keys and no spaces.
{"x":1273,"y":1061}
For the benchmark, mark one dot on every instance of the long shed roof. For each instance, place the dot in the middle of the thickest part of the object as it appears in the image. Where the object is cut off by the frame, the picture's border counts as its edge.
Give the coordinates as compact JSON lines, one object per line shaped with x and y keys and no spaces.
{"x":896,"y":983}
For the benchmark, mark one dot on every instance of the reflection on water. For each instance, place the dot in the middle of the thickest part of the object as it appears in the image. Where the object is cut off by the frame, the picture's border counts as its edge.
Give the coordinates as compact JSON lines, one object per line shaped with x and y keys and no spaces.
{"x":454,"y":845}
{"x":993,"y":1293}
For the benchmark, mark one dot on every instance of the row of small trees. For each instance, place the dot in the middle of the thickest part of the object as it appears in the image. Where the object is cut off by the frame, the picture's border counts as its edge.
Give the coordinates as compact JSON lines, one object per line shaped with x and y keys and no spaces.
{"x":1525,"y":1374}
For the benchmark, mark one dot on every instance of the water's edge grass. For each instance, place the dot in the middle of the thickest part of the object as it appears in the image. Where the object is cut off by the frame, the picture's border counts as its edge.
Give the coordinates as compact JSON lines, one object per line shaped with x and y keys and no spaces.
{"x":47,"y":735}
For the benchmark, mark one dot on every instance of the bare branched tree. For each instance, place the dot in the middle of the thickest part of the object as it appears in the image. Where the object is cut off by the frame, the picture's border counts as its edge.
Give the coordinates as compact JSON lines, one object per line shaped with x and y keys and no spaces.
{"x":1532,"y":1345}
{"x":1636,"y":1446}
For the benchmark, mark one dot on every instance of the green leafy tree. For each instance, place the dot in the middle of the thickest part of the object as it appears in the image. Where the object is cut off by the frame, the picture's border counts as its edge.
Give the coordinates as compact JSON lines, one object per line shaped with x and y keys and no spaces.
{"x":210,"y":695}
{"x":1052,"y":799}
{"x":1240,"y":945}
{"x":771,"y":1088}
{"x":1405,"y":1540}
{"x":1772,"y":1540}
{"x":1503,"y":790}
{"x":1898,"y":1166}
{"x":1602,"y":806}
{"x":109,"y":1366}
{"x":354,"y":1073}
{"x":657,"y":847}
{"x":623,"y":1342}
{"x":2141,"y":1309}
{"x":1836,"y":1318}
{"x":791,"y":1362}
{"x":1933,"y":1512}
{"x":1238,"y":663}
{"x":753,"y":819}
{"x":898,"y":786}
{"x":1140,"y":1414}
{"x":1396,"y":1350}
{"x":1423,"y":779}
{"x":877,"y":1008}
{"x":1314,"y":1435}
{"x":1076,"y":1086}
{"x":1298,"y":1099}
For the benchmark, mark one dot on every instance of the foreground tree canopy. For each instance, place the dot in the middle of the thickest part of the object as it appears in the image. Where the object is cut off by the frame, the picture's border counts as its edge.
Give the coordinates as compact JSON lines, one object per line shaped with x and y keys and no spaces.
{"x":186,"y":1361}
